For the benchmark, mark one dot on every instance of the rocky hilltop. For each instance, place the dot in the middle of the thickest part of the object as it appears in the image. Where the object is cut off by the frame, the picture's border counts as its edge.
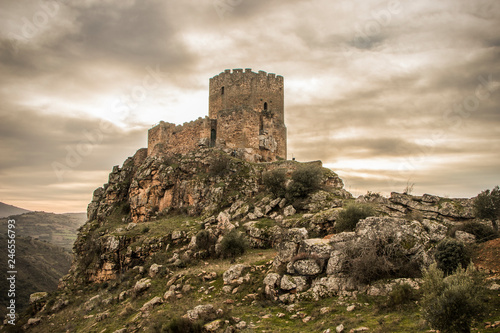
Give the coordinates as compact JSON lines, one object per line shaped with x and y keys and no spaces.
{"x":153,"y":254}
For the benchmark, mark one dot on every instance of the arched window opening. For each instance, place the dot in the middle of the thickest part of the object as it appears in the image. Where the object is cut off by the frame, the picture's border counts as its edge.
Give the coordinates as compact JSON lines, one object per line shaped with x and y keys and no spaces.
{"x":222,"y":91}
{"x":265,"y":106}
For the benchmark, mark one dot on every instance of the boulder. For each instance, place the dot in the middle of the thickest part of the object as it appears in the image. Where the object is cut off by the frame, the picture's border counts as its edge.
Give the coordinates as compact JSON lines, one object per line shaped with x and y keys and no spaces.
{"x":317,"y":246}
{"x":224,"y":224}
{"x":465,"y":237}
{"x":151,"y":304}
{"x":204,"y":312}
{"x":289,"y":211}
{"x":213,"y":326}
{"x":36,"y":297}
{"x":142,"y":285}
{"x":154,"y":270}
{"x":308,"y":267}
{"x":234,"y":273}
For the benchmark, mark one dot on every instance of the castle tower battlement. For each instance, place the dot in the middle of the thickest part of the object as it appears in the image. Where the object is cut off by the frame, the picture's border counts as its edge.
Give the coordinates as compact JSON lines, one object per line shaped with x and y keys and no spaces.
{"x":258,"y":91}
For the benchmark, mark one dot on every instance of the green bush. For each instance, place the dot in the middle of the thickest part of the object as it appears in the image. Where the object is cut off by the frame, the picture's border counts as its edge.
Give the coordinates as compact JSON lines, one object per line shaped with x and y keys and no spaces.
{"x":482,"y":232}
{"x":203,"y":240}
{"x":349,"y":217}
{"x":453,"y":303}
{"x":233,"y":244}
{"x":450,"y":254}
{"x":401,"y":294}
{"x":182,"y":325}
{"x":305,"y":180}
{"x":275,"y":182}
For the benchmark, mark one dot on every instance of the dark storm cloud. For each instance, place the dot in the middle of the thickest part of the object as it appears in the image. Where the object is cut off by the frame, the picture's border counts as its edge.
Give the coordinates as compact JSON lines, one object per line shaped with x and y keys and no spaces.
{"x":34,"y":140}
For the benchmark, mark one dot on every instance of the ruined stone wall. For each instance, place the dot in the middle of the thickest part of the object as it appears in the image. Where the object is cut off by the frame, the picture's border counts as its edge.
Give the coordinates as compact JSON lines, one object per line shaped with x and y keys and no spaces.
{"x":167,"y":137}
{"x":238,"y":88}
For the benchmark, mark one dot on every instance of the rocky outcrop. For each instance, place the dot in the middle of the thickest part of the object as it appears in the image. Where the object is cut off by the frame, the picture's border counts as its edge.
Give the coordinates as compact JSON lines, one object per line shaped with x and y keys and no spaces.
{"x":317,"y":267}
{"x":427,"y":206}
{"x":200,"y":182}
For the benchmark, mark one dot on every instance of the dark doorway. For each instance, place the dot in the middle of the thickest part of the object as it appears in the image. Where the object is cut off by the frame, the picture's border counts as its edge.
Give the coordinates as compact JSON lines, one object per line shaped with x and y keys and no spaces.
{"x":213,"y":137}
{"x":265,"y":106}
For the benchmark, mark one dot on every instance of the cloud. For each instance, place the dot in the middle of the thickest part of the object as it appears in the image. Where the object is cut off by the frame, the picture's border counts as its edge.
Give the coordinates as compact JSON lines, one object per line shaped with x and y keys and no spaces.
{"x":386,"y":91}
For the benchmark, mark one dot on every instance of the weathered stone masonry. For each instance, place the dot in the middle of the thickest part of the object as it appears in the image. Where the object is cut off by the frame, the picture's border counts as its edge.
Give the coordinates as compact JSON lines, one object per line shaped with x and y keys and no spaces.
{"x":246,"y":114}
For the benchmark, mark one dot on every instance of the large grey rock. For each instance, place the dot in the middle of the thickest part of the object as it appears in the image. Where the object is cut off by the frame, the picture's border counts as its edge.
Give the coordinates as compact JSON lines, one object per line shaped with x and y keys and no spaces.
{"x":317,"y":246}
{"x":412,"y":237}
{"x":205,"y":312}
{"x":307,"y":267}
{"x":142,"y":285}
{"x":271,"y":282}
{"x":334,"y":265}
{"x":287,"y":283}
{"x":289,"y":211}
{"x":224,"y":224}
{"x":465,"y":237}
{"x":234,"y":273}
{"x":151,"y":304}
{"x":36,"y":297}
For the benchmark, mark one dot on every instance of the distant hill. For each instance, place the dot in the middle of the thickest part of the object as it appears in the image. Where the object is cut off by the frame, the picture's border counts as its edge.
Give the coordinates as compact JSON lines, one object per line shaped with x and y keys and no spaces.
{"x":8,"y":210}
{"x":57,"y":229}
{"x":39,"y":265}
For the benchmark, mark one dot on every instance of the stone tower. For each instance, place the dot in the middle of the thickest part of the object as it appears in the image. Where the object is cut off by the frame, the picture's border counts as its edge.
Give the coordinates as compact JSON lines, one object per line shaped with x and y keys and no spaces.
{"x":247,"y":110}
{"x":246,"y":118}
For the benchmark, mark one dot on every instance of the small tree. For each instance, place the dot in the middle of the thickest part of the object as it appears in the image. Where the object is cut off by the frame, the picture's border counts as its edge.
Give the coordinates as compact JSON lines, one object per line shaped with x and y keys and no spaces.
{"x":275,"y":181}
{"x":487,"y":206}
{"x":482,"y":232}
{"x":451,"y":254}
{"x":451,"y":304}
{"x":305,"y":180}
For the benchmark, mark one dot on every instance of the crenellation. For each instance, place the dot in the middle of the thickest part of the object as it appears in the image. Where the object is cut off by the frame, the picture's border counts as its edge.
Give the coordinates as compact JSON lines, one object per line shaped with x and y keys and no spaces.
{"x":246,"y":111}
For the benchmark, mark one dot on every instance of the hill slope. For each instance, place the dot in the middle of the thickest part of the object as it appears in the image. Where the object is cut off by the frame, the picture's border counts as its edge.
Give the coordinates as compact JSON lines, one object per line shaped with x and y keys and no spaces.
{"x":8,"y":210}
{"x":153,"y":251}
{"x":57,"y":229}
{"x":39,"y":266}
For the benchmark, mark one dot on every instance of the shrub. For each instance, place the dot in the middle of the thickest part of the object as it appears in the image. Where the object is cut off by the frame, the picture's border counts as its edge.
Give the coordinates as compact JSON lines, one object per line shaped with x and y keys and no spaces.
{"x":349,"y":217}
{"x":275,"y":181}
{"x":182,"y":325}
{"x":400,"y":295}
{"x":451,"y":304}
{"x":233,"y":244}
{"x":450,"y":254}
{"x":482,"y":232}
{"x":369,"y":260}
{"x":219,"y":166}
{"x":203,"y":240}
{"x":305,"y":180}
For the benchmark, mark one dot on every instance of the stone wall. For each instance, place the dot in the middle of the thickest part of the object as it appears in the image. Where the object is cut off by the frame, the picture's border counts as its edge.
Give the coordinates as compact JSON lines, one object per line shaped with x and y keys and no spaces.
{"x":167,"y":137}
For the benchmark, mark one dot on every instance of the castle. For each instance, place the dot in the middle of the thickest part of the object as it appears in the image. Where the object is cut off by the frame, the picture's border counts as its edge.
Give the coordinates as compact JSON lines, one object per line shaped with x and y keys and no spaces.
{"x":246,"y":118}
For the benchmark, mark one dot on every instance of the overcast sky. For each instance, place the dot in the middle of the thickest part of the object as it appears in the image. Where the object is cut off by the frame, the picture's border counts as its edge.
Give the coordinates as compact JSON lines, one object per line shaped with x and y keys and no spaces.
{"x":386,"y":93}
